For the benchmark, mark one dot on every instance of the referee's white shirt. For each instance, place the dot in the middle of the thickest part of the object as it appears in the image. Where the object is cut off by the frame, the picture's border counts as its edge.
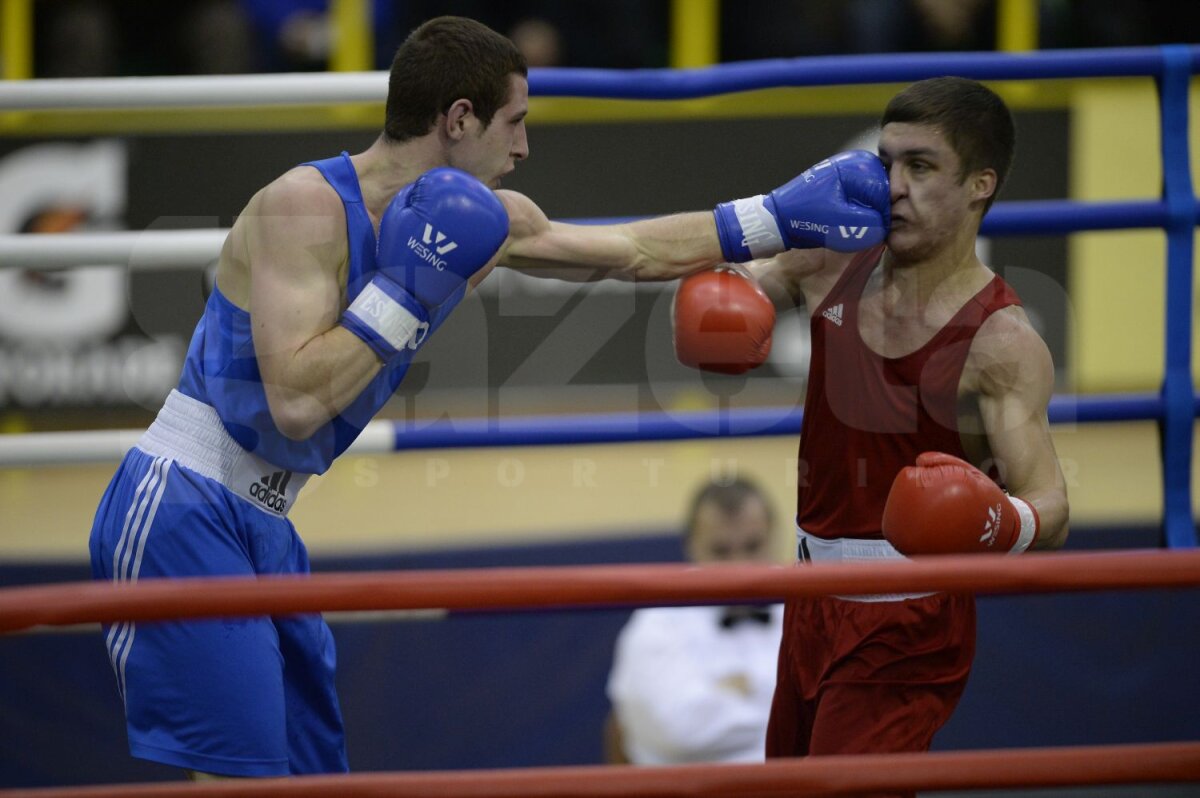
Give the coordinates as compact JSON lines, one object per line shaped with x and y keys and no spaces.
{"x":685,"y":688}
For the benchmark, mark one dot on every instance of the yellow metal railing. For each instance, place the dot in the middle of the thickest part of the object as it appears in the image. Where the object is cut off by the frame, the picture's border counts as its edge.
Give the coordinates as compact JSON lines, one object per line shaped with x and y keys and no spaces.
{"x":16,"y":39}
{"x":353,"y":36}
{"x":695,"y":33}
{"x":1017,"y":25}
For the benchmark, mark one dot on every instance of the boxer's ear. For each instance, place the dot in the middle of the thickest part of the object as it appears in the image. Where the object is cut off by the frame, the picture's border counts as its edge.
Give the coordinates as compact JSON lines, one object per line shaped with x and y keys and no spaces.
{"x":457,"y":118}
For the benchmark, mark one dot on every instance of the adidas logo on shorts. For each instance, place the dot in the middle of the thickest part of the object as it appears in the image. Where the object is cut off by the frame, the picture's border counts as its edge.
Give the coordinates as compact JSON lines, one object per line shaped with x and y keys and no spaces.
{"x":834,"y":314}
{"x":271,"y":490}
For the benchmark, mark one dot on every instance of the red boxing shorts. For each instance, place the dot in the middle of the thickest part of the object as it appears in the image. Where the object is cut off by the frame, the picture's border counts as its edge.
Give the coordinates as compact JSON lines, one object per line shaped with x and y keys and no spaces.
{"x":869,"y":676}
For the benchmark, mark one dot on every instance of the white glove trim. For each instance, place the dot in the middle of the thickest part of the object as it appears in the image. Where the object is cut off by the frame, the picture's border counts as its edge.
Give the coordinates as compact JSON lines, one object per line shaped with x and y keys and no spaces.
{"x":391,"y":320}
{"x":760,"y":230}
{"x":1028,"y":525}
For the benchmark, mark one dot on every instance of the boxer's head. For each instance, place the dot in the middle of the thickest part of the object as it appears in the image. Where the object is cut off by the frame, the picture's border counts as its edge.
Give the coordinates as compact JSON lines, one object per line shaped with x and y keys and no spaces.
{"x":446,"y":60}
{"x":973,"y":119}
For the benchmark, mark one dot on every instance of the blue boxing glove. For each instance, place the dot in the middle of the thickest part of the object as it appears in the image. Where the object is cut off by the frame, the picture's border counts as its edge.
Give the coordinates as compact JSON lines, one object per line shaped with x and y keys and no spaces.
{"x":843,"y":203}
{"x":435,"y":234}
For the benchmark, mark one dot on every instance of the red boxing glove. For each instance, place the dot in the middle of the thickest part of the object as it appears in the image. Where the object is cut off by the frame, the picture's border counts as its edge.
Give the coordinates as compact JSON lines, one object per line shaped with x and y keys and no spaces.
{"x":944,"y":505}
{"x":723,"y":321}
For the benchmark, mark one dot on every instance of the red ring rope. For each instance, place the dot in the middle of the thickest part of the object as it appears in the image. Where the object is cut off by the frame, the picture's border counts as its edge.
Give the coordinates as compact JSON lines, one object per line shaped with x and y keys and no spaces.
{"x":829,"y":775}
{"x":580,"y":586}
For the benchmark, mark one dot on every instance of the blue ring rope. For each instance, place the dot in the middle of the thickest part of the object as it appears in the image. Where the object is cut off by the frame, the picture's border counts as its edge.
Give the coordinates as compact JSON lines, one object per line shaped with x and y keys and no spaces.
{"x":685,"y":425}
{"x":680,"y":84}
{"x":1040,"y":217}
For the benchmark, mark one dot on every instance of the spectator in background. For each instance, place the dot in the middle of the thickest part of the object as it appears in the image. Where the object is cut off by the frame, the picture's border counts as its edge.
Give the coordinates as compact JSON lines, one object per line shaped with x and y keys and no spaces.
{"x":93,"y":38}
{"x":604,"y":34}
{"x":298,"y":35}
{"x":694,"y":684}
{"x":539,"y":40}
{"x":74,"y":39}
{"x":793,"y":28}
{"x":1117,"y":23}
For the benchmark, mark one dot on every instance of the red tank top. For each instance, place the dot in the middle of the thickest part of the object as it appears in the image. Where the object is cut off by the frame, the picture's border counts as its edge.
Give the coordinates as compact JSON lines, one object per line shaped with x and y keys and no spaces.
{"x":867,"y":416}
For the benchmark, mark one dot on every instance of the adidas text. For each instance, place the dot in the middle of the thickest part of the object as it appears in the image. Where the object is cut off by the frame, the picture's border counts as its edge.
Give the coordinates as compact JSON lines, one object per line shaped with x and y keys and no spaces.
{"x":271,"y":490}
{"x":834,"y":314}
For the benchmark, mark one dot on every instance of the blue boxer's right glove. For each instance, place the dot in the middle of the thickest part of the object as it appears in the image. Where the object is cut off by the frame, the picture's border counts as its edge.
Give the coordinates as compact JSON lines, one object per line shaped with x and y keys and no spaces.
{"x":435,"y":234}
{"x":843,"y":203}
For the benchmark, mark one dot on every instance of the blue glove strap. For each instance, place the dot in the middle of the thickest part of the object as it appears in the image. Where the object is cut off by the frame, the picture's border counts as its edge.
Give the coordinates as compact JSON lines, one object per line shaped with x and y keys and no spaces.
{"x":730,"y":234}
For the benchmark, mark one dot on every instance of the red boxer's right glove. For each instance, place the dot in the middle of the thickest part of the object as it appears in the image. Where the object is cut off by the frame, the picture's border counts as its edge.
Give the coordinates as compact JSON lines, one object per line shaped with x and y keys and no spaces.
{"x":723,"y":321}
{"x":945,"y":505}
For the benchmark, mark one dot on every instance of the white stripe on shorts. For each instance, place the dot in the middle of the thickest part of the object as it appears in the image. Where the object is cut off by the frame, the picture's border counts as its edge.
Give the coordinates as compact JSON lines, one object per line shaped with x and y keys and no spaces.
{"x":139,"y":519}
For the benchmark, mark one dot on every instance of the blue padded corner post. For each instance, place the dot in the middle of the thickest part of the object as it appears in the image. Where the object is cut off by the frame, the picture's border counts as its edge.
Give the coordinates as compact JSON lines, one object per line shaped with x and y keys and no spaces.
{"x":1179,"y":406}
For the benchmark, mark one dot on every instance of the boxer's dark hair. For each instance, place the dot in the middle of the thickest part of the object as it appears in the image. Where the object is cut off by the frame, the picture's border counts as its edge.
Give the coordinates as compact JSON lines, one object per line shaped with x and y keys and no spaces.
{"x":729,"y":496}
{"x":971,"y":116}
{"x":448,"y":59}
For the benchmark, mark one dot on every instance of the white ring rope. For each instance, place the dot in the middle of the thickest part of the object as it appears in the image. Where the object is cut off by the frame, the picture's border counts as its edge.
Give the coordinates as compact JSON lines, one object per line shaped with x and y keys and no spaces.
{"x":306,"y":88}
{"x":147,"y":249}
{"x":109,"y":446}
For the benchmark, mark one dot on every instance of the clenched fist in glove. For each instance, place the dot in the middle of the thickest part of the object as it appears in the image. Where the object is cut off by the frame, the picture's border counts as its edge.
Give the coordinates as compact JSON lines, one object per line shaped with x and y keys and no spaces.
{"x":843,"y":203}
{"x":434,"y":236}
{"x":945,"y":505}
{"x":723,"y":321}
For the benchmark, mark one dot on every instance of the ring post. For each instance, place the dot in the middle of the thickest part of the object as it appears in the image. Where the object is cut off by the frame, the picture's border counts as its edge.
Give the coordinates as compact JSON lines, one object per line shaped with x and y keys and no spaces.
{"x":1178,"y":404}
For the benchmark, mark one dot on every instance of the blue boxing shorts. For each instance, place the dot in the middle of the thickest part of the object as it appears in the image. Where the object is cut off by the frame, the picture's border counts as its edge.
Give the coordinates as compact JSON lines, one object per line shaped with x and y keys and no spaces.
{"x":230,"y":696}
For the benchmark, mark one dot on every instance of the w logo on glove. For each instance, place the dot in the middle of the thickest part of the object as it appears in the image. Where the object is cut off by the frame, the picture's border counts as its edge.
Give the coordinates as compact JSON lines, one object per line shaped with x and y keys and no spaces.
{"x":429,"y":238}
{"x":991,"y":527}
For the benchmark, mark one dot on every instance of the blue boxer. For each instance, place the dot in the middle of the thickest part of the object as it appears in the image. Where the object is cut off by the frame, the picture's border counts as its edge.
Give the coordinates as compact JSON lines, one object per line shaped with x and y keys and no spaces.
{"x":207,"y":489}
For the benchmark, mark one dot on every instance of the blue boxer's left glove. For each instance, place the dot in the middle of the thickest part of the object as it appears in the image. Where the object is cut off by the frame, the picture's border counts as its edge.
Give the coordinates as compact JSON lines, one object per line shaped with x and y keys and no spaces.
{"x":433,"y":237}
{"x":842,"y":203}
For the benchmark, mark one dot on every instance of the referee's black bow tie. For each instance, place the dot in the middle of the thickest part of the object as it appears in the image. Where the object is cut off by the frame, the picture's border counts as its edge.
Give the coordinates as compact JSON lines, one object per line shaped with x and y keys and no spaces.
{"x":745,"y":613}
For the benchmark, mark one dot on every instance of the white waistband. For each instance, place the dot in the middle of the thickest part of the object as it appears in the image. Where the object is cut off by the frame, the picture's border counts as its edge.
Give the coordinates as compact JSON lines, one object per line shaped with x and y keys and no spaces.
{"x":812,"y":549}
{"x":191,"y":433}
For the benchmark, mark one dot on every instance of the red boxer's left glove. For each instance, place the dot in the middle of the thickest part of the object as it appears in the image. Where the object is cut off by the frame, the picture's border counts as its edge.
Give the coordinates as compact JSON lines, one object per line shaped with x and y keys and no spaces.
{"x":945,"y":505}
{"x":723,"y":321}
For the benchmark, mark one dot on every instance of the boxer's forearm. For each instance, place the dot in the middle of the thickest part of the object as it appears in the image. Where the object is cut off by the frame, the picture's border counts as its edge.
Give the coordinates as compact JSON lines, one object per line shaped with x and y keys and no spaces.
{"x":1053,"y":515}
{"x":663,"y":248}
{"x":309,"y":387}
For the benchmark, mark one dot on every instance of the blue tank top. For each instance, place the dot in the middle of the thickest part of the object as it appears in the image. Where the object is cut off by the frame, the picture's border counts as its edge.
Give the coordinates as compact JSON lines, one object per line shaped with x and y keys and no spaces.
{"x":221,"y":368}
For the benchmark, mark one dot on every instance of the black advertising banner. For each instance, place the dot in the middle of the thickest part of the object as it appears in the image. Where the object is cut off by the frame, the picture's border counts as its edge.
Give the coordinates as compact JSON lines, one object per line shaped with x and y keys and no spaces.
{"x":103,"y":344}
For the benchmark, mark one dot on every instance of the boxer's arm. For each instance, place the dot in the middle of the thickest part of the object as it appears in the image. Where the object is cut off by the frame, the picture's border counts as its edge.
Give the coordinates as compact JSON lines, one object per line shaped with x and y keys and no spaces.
{"x":663,"y":248}
{"x":798,"y":277}
{"x":841,"y":203}
{"x":1016,"y":380}
{"x":312,"y":368}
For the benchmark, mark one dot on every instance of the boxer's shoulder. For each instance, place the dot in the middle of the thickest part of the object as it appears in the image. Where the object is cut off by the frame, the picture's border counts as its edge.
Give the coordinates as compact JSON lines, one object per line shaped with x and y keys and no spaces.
{"x":298,"y":191}
{"x":1007,"y":352}
{"x":299,"y":208}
